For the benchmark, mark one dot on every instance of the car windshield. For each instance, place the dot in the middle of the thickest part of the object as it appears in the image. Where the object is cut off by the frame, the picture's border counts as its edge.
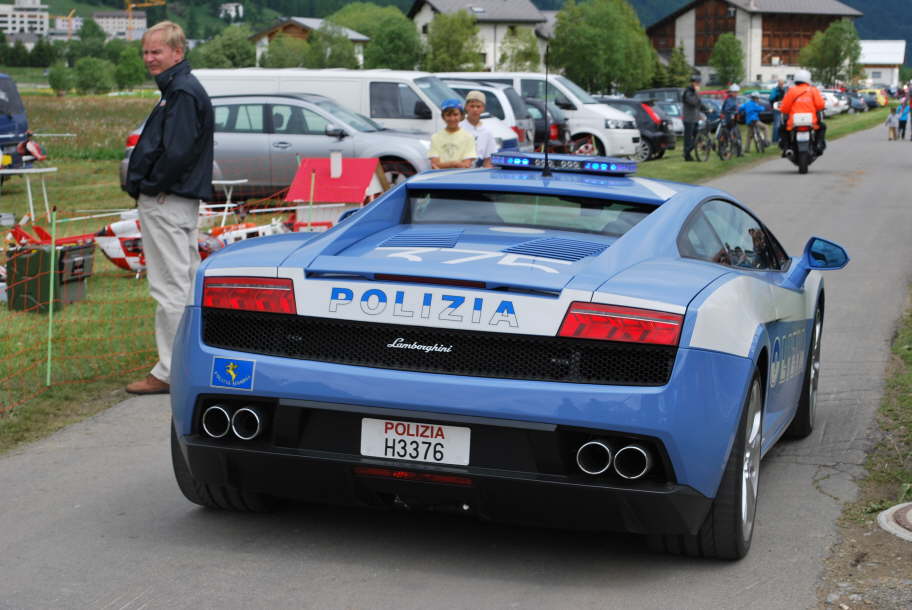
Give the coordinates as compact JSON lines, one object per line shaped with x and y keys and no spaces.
{"x":541,"y":211}
{"x":670,"y":108}
{"x":435,"y":89}
{"x":576,"y":90}
{"x":10,"y":102}
{"x":520,"y":110}
{"x":352,"y":119}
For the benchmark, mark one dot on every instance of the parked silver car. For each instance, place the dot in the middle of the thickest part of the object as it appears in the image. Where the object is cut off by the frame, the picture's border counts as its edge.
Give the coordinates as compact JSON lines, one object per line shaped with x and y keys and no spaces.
{"x":263,"y":138}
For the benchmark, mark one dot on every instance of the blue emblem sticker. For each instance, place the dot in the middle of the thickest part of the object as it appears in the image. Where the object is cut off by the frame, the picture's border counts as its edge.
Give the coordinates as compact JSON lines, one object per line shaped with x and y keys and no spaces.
{"x":232,"y":373}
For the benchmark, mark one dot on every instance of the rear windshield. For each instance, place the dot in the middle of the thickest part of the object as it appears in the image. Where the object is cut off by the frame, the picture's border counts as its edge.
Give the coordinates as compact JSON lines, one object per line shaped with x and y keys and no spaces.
{"x":10,"y":102}
{"x":540,"y":211}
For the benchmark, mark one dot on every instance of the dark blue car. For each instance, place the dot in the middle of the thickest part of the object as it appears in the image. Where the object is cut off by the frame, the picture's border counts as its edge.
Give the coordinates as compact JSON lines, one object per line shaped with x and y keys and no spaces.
{"x":13,"y":121}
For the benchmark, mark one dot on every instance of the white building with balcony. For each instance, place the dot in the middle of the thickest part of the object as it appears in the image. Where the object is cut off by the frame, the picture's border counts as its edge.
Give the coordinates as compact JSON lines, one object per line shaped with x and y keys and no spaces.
{"x":24,"y":16}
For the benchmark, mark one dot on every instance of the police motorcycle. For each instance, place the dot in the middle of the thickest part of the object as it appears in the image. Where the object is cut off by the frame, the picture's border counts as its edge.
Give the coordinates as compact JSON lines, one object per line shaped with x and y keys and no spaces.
{"x":804,"y":143}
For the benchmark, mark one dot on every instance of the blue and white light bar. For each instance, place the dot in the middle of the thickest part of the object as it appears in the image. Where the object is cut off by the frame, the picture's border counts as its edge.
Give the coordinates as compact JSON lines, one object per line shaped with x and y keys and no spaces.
{"x":607,"y":166}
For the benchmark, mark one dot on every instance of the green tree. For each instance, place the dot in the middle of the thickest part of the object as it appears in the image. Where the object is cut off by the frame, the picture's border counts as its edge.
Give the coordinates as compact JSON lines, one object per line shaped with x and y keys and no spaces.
{"x":678,"y":71}
{"x":394,"y":41}
{"x":602,"y":46}
{"x":660,"y":76}
{"x":727,"y":58}
{"x":18,"y":55}
{"x":230,"y":49}
{"x":60,"y":78}
{"x":329,"y":47}
{"x":130,"y":70}
{"x":113,"y":49}
{"x":90,"y":30}
{"x":42,"y":54}
{"x":453,"y":43}
{"x":833,"y":55}
{"x":94,"y":75}
{"x":519,"y":51}
{"x":285,"y":52}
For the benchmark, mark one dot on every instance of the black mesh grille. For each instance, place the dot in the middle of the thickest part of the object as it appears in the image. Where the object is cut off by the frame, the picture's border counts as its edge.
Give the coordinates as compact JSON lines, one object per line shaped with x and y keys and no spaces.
{"x":478,"y":354}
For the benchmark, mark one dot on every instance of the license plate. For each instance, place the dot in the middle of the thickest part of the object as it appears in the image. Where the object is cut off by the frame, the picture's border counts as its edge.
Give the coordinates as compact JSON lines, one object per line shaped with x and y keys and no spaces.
{"x":415,"y":441}
{"x":803,"y":136}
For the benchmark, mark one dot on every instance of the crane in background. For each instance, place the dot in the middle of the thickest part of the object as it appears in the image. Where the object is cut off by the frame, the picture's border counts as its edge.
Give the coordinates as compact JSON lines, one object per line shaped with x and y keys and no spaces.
{"x":131,"y":5}
{"x":69,"y":19}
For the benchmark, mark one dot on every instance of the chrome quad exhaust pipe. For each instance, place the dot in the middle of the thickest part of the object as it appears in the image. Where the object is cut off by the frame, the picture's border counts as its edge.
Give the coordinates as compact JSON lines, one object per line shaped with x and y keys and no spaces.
{"x":632,"y":462}
{"x":246,"y":423}
{"x":594,"y":457}
{"x":216,"y":421}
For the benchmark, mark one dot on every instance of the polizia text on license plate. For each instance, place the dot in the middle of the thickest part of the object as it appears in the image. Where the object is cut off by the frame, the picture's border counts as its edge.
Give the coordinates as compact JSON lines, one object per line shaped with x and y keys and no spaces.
{"x":419,"y":442}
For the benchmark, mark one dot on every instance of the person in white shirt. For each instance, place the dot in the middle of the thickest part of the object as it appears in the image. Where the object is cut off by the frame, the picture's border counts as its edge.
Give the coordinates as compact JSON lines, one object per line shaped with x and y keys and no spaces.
{"x":485,"y":146}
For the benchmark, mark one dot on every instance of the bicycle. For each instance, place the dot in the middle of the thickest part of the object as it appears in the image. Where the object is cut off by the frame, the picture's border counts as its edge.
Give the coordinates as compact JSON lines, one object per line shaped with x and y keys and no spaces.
{"x":704,"y":142}
{"x":729,"y":140}
{"x":758,"y":137}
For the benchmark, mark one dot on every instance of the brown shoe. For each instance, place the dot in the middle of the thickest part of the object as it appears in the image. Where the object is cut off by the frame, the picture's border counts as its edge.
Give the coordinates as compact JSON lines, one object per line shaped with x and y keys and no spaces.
{"x":149,"y":385}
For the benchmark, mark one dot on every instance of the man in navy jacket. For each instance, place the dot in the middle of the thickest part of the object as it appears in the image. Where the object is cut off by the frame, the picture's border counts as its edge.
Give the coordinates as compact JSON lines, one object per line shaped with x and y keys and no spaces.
{"x":170,"y":171}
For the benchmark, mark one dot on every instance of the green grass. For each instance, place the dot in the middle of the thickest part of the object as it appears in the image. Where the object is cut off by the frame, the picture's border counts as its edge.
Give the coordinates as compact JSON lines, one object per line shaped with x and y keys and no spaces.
{"x":105,"y":341}
{"x":26,"y":77}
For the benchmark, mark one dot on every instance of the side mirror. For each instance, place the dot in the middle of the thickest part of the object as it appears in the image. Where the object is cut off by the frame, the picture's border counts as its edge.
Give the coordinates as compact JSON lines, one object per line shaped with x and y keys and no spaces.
{"x":335,"y":132}
{"x":564,"y":105}
{"x":422,"y":111}
{"x":824,"y":255}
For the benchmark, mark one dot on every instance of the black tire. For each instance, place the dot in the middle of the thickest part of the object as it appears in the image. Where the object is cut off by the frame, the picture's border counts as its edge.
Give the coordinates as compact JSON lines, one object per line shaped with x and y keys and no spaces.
{"x":804,"y":159}
{"x":759,"y":142}
{"x":659,"y":154}
{"x":729,"y":526}
{"x":214,"y":496}
{"x":644,"y":151}
{"x":803,"y":422}
{"x":702,"y":147}
{"x":725,"y":149}
{"x":736,"y":144}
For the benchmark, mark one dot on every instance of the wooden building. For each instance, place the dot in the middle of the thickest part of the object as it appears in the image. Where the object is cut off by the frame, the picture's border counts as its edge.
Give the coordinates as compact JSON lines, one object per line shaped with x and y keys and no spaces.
{"x":772,"y":32}
{"x":301,"y":27}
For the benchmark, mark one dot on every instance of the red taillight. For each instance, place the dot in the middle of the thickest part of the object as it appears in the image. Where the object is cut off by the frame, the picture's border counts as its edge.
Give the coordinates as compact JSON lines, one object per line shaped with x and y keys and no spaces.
{"x":652,"y":115}
{"x":615,"y":323}
{"x":553,"y":132}
{"x":132,"y":139}
{"x":407,"y":475}
{"x":266,"y":294}
{"x":519,"y":133}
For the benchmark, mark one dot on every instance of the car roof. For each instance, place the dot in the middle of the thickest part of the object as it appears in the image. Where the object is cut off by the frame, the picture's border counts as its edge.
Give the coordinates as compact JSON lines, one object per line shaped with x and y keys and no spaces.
{"x":307,"y":97}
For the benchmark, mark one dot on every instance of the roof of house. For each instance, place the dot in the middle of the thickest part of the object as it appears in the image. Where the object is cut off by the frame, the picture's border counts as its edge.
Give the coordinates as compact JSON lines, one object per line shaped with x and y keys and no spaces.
{"x":546,"y":28}
{"x":308,"y":23}
{"x":512,"y":11}
{"x":883,"y":52}
{"x":804,"y":7}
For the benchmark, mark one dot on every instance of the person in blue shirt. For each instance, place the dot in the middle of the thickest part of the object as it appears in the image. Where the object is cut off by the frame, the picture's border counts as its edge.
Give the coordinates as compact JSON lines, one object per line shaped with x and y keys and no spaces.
{"x":776,"y":95}
{"x":752,"y":109}
{"x":903,"y":112}
{"x":729,"y":112}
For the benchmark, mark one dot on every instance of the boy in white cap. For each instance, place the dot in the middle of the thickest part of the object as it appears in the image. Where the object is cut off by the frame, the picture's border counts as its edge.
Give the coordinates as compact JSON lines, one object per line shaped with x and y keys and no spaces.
{"x":485,"y":146}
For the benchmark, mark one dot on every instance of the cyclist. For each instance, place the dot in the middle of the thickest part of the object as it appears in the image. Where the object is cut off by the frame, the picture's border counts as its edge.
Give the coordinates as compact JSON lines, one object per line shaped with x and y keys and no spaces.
{"x":804,"y":98}
{"x":729,"y":113}
{"x":751,"y":110}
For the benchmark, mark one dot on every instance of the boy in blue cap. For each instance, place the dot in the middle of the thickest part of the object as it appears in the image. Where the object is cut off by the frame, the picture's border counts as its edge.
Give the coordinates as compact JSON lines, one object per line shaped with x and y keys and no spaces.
{"x":452,"y":147}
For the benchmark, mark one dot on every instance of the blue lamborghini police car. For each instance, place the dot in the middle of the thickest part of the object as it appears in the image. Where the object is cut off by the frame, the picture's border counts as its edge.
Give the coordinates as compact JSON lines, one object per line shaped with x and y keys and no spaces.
{"x":568,"y":345}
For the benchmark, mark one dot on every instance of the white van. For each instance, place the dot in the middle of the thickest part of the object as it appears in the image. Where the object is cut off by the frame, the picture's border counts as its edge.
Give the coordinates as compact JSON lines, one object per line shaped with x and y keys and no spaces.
{"x":398,"y":99}
{"x":611,"y":131}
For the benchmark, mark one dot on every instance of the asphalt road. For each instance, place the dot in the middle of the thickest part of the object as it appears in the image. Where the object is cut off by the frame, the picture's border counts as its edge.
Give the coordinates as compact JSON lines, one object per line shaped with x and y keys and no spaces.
{"x":92,"y":518}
